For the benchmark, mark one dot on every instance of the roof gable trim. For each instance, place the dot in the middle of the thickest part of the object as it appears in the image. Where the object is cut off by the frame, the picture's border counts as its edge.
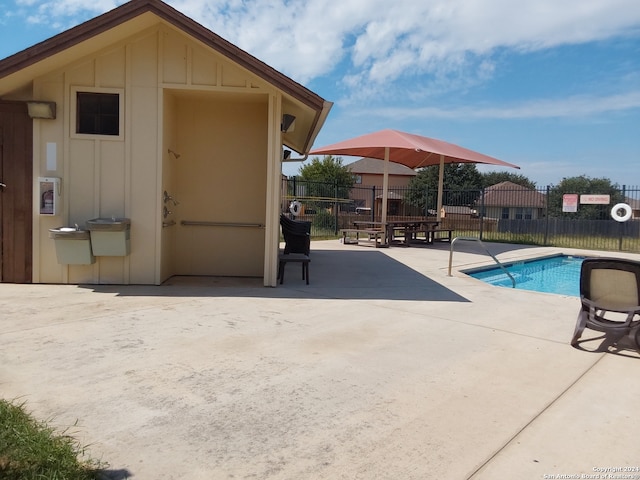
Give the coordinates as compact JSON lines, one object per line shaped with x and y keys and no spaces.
{"x":134,"y":8}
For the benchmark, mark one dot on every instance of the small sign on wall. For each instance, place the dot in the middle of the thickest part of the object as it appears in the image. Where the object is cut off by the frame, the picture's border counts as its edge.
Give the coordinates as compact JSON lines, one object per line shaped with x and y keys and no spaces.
{"x":52,"y":156}
{"x":49,"y":189}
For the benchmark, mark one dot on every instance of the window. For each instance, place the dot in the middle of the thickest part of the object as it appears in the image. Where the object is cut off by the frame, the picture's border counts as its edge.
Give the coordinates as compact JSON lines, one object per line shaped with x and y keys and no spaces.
{"x":98,"y":113}
{"x":505,"y":213}
{"x":524,"y":213}
{"x":357,"y":179}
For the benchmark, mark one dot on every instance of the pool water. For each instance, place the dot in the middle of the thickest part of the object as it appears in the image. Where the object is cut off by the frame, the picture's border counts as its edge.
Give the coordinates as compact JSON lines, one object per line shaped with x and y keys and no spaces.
{"x":559,"y":274}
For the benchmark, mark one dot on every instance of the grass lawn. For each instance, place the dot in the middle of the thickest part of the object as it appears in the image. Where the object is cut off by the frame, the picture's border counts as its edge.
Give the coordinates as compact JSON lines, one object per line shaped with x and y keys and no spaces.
{"x":32,"y":450}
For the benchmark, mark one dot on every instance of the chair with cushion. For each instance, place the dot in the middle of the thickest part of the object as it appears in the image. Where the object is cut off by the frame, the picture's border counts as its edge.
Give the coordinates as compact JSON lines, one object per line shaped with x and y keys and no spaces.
{"x":610,"y":297}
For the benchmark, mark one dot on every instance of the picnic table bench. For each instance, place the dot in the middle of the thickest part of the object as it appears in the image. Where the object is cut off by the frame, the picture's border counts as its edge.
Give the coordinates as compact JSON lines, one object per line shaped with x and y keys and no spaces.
{"x":435,"y":234}
{"x":352,"y":235}
{"x":432,"y":233}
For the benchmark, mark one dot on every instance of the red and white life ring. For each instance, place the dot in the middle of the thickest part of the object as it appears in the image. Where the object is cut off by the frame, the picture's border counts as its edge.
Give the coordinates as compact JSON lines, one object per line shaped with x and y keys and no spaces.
{"x":615,"y":212}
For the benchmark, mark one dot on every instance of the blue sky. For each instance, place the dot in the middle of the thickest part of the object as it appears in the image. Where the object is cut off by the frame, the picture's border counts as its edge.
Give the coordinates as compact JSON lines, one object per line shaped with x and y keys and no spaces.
{"x":552,"y":86}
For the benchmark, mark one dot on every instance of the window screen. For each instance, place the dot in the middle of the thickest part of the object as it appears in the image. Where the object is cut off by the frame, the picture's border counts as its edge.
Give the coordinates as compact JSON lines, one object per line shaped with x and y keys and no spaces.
{"x":98,"y":113}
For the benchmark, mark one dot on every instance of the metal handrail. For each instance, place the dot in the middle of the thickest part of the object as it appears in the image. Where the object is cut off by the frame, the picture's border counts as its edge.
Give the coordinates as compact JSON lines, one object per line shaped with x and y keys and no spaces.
{"x":473,"y":239}
{"x":220,"y":224}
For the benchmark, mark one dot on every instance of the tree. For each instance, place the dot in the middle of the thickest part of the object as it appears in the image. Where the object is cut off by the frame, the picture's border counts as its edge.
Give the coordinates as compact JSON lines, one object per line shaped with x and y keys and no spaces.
{"x":584,"y":185}
{"x":457,"y":176}
{"x":493,"y":178}
{"x":326,"y":178}
{"x":461,"y":184}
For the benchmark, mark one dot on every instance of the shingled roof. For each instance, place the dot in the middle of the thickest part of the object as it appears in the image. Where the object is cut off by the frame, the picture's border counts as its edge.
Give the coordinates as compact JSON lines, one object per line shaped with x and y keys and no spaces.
{"x":374,"y":166}
{"x":513,"y":195}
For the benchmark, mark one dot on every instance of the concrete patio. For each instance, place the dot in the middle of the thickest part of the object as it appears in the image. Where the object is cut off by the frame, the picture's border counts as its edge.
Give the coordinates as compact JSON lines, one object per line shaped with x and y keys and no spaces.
{"x":384,"y":367}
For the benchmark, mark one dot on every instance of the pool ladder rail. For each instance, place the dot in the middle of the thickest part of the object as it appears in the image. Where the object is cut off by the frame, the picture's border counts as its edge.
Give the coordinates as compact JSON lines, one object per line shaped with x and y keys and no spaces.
{"x":474,"y":239}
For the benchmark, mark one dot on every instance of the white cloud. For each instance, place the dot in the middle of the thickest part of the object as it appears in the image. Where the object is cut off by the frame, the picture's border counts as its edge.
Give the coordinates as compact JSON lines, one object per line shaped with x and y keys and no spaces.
{"x":575,"y":107}
{"x":378,"y":41}
{"x":65,"y":13}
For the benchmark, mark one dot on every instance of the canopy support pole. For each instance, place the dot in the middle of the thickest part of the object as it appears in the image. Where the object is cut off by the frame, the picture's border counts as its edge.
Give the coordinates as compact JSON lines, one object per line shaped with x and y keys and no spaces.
{"x":440,"y":188}
{"x":385,"y":192}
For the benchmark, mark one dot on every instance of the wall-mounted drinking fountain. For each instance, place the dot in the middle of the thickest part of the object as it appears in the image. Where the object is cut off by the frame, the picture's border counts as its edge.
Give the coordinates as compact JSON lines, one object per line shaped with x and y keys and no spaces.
{"x":110,"y":237}
{"x":73,"y":246}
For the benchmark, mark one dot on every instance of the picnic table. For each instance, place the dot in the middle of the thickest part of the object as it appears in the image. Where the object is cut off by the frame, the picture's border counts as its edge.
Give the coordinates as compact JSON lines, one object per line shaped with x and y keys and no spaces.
{"x":408,"y":229}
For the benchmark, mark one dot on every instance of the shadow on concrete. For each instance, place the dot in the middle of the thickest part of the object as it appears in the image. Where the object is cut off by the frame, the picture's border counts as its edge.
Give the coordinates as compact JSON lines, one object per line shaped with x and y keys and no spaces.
{"x":609,"y":343}
{"x":370,"y":274}
{"x":467,"y":246}
{"x":354,"y":274}
{"x":121,"y":474}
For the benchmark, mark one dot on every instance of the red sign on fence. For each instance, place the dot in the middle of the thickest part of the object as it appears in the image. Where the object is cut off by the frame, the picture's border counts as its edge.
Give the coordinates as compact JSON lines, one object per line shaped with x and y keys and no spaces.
{"x":589,"y":199}
{"x":570,"y":202}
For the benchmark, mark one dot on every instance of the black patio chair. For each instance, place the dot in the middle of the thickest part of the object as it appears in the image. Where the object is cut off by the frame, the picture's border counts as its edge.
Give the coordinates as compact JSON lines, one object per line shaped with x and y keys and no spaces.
{"x":297,"y":246}
{"x":297,"y":235}
{"x":610,"y":297}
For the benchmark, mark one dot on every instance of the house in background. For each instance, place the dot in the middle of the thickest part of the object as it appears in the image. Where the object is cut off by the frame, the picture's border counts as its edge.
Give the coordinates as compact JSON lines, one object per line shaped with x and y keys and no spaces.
{"x":142,"y":113}
{"x":510,"y":201}
{"x":635,"y":207}
{"x":369,"y":172}
{"x":461,"y":212}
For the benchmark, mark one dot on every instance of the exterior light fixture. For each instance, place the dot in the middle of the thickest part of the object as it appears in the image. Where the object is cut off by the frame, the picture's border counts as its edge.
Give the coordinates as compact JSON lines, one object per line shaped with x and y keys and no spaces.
{"x":39,"y":109}
{"x":288,"y":123}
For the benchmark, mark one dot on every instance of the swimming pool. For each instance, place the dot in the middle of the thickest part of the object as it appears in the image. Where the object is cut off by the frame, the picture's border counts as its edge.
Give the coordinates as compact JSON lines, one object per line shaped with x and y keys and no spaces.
{"x":558,"y":274}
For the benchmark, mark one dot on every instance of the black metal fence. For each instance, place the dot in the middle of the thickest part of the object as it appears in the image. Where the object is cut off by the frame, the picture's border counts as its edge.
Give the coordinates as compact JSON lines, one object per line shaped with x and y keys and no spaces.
{"x":509,"y":214}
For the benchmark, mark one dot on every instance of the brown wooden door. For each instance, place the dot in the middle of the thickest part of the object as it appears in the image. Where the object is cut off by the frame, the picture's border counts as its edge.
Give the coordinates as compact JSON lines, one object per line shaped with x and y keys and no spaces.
{"x":16,"y":184}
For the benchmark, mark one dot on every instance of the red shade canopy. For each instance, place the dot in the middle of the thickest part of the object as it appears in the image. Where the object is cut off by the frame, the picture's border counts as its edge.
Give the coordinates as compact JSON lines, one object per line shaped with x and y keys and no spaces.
{"x":414,"y":151}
